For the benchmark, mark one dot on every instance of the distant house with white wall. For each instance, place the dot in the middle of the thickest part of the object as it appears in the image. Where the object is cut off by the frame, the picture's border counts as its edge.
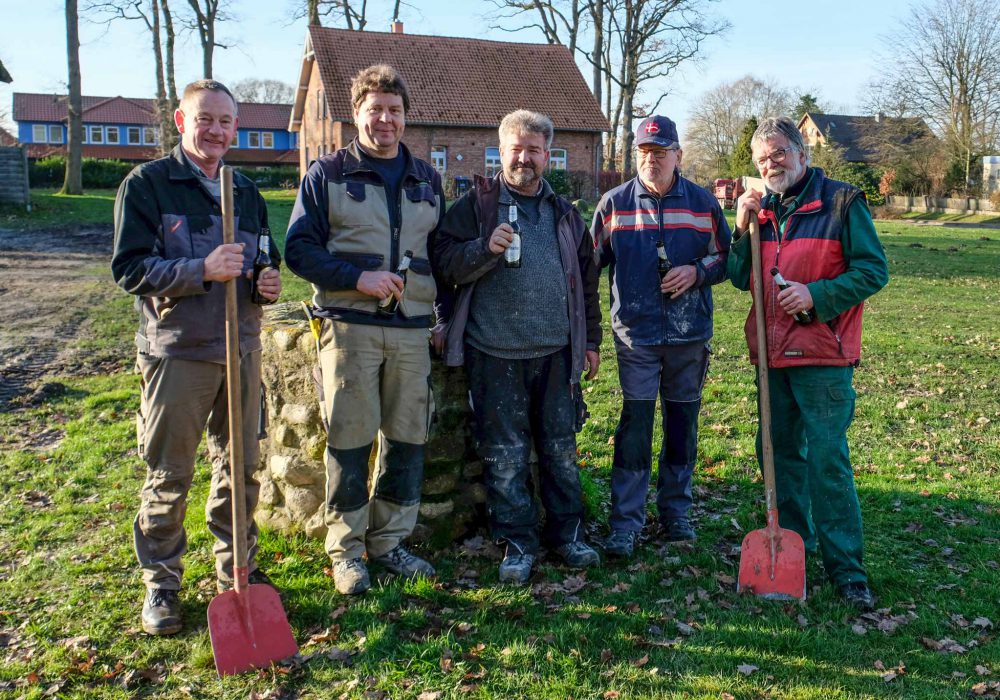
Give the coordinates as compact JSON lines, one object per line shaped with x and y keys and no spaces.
{"x":991,"y":174}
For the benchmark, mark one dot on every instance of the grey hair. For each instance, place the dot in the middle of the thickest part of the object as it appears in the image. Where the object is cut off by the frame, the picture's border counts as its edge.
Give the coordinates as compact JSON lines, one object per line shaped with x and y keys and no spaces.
{"x":524,"y":121}
{"x":778,"y":126}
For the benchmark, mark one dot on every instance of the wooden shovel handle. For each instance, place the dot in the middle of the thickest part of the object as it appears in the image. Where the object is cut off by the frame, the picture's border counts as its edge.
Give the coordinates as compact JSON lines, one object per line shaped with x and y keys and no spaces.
{"x":236,"y":467}
{"x":763,"y":388}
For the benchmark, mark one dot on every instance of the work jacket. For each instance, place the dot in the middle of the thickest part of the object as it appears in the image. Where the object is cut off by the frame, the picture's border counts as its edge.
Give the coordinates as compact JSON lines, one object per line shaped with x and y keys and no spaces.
{"x":166,"y":224}
{"x":341,"y":226}
{"x":826,"y":240}
{"x":628,"y":223}
{"x":462,"y":255}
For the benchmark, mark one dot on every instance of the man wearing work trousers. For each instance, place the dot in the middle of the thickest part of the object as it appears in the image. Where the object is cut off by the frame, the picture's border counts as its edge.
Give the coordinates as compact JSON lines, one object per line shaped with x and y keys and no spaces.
{"x":169,"y":253}
{"x":525,"y":335}
{"x":819,"y":233}
{"x":662,"y":320}
{"x":358,"y":211}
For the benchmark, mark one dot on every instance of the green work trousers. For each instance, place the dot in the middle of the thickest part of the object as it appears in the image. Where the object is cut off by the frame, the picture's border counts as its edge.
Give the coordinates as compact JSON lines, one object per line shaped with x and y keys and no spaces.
{"x":811,"y":409}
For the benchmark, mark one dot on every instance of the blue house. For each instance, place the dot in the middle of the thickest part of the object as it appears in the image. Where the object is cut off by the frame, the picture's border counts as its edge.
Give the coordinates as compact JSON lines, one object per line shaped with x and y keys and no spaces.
{"x":125,"y":128}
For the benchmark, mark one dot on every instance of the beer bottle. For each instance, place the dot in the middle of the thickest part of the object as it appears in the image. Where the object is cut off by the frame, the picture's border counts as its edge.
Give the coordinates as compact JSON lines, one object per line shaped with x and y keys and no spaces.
{"x":388,"y":306}
{"x":663,"y":265}
{"x":512,"y":255}
{"x":262,"y":262}
{"x":802,"y":317}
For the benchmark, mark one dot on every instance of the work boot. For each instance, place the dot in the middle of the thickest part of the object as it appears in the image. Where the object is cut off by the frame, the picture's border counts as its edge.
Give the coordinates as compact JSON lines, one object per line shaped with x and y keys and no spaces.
{"x":350,"y":577}
{"x":402,"y":562}
{"x":858,"y":595}
{"x":516,"y":567}
{"x":256,"y":576}
{"x":678,"y":530}
{"x":161,"y":612}
{"x":621,"y":543}
{"x":578,"y":555}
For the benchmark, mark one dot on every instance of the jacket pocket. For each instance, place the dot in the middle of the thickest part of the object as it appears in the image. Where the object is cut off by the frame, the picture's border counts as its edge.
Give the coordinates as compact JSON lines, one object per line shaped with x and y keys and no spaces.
{"x":420,"y":291}
{"x":421,"y":193}
{"x":364,"y":261}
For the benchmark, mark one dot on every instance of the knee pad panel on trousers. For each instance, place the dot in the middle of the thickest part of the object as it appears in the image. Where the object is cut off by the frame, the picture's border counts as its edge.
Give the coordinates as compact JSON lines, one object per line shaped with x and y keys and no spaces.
{"x":401,"y":473}
{"x":634,"y":436}
{"x":347,"y":478}
{"x":680,"y":432}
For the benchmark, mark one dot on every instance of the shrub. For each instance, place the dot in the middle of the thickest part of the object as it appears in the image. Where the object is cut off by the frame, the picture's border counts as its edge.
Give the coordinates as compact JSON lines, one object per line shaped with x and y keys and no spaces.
{"x":284,"y":177}
{"x":865,"y":177}
{"x":96,"y":173}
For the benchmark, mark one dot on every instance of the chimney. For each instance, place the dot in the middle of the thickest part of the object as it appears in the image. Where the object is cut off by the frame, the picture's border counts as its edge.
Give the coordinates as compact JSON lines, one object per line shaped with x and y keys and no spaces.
{"x":396,"y":27}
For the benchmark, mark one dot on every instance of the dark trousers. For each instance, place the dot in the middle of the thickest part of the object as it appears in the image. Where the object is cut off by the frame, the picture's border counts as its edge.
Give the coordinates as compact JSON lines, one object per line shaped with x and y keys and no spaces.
{"x":675,"y":374}
{"x":811,"y":410}
{"x":518,"y":404}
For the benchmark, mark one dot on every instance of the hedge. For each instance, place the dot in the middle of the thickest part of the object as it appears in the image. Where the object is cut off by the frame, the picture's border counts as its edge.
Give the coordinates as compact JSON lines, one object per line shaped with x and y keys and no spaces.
{"x":97,"y":173}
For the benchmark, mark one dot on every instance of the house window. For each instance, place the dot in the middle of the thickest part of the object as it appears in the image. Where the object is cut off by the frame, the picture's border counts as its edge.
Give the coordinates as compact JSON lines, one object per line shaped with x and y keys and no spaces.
{"x":492,"y":161}
{"x":439,"y":158}
{"x":113,"y":134}
{"x":235,"y":143}
{"x":557,"y":159}
{"x":39,"y":133}
{"x":267,"y":139}
{"x":95,"y":134}
{"x":253,"y":139}
{"x":149,"y":136}
{"x":134,"y":135}
{"x":55,"y":134}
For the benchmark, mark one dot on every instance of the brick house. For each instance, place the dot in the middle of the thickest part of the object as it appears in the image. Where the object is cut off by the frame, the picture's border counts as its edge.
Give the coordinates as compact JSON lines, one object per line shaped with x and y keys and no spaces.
{"x":859,"y":136}
{"x":126,"y":128}
{"x":460,"y":89}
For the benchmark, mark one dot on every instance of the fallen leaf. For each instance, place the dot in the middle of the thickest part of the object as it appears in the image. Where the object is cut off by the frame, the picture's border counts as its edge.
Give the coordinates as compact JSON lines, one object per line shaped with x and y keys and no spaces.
{"x":982,"y":671}
{"x":429,"y":695}
{"x":685,"y":628}
{"x":606,"y":656}
{"x":642,"y":661}
{"x":747,"y":669}
{"x":859,"y":629}
{"x":982,"y":623}
{"x":611,"y":694}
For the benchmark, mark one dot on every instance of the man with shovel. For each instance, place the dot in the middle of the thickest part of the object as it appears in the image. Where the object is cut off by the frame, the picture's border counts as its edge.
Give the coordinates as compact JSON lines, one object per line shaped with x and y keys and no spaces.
{"x":818,"y":234}
{"x":169,"y":253}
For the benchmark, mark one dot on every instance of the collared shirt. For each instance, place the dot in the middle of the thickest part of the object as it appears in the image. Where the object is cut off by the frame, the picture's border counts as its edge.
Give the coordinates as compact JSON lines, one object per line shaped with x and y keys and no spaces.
{"x":213,"y":185}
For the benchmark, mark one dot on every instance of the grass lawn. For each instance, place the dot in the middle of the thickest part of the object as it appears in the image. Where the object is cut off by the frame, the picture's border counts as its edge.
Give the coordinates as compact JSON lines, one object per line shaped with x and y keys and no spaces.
{"x":926,"y":449}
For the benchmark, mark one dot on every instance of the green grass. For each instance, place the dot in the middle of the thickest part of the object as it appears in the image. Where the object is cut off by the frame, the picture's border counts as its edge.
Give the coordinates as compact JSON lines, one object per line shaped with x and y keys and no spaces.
{"x":52,"y":210}
{"x":925,"y":444}
{"x":951,"y":218}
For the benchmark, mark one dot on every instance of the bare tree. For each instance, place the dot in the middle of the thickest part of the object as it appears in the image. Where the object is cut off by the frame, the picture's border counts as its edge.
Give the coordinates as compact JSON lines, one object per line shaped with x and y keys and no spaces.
{"x":943,"y":60}
{"x":205,"y":15}
{"x":73,"y":181}
{"x":720,"y":113}
{"x":156,"y":16}
{"x":261,"y":90}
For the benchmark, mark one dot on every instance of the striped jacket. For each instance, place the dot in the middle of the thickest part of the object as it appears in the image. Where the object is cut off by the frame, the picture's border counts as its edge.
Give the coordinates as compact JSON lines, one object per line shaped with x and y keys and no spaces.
{"x":627,"y":225}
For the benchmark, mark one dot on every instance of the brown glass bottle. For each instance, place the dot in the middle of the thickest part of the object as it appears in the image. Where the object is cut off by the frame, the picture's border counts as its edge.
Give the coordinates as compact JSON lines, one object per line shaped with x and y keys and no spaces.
{"x":802,"y":317}
{"x":388,"y":306}
{"x":663,"y":265}
{"x":261,"y":262}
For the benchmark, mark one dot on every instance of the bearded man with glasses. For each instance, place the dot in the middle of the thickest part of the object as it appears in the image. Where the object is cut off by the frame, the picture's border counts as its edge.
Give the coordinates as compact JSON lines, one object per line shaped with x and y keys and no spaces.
{"x":819,"y":234}
{"x":662,"y":322}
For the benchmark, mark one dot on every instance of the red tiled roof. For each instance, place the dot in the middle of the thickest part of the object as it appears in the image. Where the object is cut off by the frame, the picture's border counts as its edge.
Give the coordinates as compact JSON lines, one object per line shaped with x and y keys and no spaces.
{"x":33,"y":107}
{"x":460,"y":82}
{"x":7,"y":138}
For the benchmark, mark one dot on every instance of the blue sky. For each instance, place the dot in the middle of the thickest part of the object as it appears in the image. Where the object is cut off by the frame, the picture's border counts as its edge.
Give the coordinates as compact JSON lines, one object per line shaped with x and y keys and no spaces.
{"x":831,"y":54}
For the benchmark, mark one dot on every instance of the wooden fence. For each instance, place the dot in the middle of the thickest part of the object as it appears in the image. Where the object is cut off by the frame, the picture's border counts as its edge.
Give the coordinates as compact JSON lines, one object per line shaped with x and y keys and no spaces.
{"x":14,"y":176}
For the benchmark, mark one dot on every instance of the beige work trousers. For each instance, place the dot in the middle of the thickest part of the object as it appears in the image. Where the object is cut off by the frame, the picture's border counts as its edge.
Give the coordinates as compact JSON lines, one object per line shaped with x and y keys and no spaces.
{"x":180,"y":400}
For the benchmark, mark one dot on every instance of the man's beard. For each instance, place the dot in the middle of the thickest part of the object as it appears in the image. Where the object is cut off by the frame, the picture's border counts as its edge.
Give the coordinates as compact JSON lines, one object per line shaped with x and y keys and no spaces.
{"x":521,"y":175}
{"x":787,"y":178}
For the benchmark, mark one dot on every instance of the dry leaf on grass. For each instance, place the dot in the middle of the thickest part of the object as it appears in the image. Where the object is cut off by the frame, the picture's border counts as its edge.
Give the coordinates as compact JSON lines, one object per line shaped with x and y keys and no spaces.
{"x":747,"y":669}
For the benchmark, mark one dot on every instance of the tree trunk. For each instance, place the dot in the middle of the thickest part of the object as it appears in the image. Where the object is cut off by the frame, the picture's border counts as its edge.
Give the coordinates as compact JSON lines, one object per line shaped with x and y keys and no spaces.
{"x":73,"y":182}
{"x":313,"y":13}
{"x":170,"y":135}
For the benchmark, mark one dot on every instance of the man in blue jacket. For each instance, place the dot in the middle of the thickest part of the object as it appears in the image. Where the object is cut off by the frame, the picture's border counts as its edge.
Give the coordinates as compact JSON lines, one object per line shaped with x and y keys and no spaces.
{"x":662,"y":323}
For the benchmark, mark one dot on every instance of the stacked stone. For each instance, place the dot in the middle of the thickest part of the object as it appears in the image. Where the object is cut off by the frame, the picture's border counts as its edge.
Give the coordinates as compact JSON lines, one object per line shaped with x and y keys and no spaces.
{"x":292,"y":475}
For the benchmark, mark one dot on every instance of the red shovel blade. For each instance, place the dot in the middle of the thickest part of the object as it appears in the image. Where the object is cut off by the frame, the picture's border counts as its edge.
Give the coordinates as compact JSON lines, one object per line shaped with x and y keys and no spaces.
{"x":249,"y":629}
{"x":773,"y":564}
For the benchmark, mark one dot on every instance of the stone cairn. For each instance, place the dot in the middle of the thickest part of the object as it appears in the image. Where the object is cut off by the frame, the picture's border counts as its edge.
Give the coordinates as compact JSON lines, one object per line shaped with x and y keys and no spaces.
{"x":292,"y":475}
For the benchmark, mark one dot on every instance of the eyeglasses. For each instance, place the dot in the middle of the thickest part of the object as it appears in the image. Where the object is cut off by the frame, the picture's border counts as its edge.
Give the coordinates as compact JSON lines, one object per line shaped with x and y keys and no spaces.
{"x":656,"y":154}
{"x":775,"y":157}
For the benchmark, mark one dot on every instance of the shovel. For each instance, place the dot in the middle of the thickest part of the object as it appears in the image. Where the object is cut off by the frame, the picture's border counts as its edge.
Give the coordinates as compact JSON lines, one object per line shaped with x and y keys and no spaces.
{"x":247,"y":624}
{"x":773,"y":559}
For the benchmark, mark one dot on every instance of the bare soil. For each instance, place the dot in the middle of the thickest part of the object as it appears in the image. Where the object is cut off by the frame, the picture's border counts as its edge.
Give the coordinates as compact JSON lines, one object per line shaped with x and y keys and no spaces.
{"x":49,"y":280}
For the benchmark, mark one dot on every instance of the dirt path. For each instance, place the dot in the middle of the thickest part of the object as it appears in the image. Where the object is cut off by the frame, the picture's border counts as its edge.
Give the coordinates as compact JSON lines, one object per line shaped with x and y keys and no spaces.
{"x":48,"y":281}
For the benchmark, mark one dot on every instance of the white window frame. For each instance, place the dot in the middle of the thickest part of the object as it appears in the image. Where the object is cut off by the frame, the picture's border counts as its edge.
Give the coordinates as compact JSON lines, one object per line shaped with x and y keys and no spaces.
{"x":491,"y":161}
{"x":251,"y":137}
{"x":557,"y":162}
{"x":439,"y":158}
{"x":235,"y":143}
{"x":39,"y":129}
{"x":137,"y":132}
{"x":116,"y":130}
{"x":91,"y":130}
{"x":267,"y":139}
{"x":55,"y":133}
{"x":149,"y":136}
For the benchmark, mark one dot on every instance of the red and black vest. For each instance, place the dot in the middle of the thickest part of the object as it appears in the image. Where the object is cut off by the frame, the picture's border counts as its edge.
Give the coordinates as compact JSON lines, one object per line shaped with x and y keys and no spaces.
{"x":807,"y":248}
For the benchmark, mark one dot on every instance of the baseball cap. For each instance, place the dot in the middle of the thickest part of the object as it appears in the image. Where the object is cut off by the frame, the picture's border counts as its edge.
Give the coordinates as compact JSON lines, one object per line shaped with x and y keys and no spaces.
{"x":657,"y":131}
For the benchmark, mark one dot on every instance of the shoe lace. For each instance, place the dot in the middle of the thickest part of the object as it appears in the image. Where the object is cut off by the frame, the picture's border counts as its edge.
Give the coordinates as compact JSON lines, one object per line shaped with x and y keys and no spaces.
{"x":402,"y":556}
{"x":351,"y":565}
{"x":162,"y":596}
{"x":621,"y":537}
